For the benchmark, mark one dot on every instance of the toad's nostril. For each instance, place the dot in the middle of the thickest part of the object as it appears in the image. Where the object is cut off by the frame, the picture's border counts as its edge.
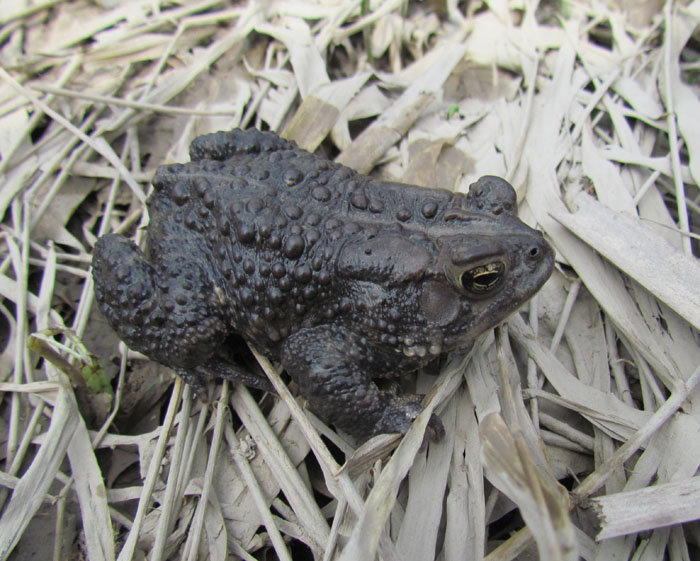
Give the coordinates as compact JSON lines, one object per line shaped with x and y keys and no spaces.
{"x":534,"y":251}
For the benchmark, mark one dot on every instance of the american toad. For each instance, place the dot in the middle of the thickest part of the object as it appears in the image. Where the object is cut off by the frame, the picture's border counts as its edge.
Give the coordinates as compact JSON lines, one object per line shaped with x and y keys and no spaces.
{"x":339,"y":277}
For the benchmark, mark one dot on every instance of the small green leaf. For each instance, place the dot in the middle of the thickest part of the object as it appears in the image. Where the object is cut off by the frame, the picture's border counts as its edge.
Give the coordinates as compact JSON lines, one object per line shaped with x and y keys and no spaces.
{"x":84,"y":369}
{"x":452,"y":111}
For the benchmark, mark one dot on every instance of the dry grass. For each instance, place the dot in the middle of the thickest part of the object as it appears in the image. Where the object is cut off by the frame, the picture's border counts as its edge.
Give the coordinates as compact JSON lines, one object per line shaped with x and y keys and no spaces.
{"x":590,"y":110}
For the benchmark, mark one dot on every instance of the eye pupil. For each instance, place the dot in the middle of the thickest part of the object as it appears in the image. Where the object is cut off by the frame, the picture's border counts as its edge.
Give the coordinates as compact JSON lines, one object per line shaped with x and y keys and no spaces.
{"x":483,"y":279}
{"x":486,"y":280}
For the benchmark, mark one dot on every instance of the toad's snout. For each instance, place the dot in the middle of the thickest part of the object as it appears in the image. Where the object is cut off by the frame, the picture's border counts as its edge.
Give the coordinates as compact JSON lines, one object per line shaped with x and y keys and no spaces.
{"x":537,"y":254}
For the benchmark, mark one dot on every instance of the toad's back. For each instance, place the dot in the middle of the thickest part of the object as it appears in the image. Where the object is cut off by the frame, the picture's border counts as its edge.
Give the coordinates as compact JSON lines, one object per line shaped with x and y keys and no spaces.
{"x":273,"y":219}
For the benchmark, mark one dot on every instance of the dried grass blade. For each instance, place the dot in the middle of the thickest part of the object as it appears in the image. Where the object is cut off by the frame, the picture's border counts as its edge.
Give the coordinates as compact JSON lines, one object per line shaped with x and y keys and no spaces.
{"x":34,"y":484}
{"x":170,"y":504}
{"x":195,"y":532}
{"x":338,"y":481}
{"x":307,"y":62}
{"x":632,"y":92}
{"x":660,"y":164}
{"x":22,"y":10}
{"x":257,"y":495}
{"x":465,"y":512}
{"x":647,"y":509}
{"x":669,"y":91}
{"x":8,"y":289}
{"x":172,"y":83}
{"x":365,"y":536}
{"x":606,"y":411}
{"x":688,"y":115}
{"x":371,"y":144}
{"x":602,"y":280}
{"x":97,"y":144}
{"x":129,"y":547}
{"x":20,"y":298}
{"x":92,"y":495}
{"x":543,"y":502}
{"x":320,"y":111}
{"x":427,"y":487}
{"x":605,"y":175}
{"x":595,"y":480}
{"x":519,"y":541}
{"x":119,"y":102}
{"x":640,"y":252}
{"x":289,"y":480}
{"x":215,"y":528}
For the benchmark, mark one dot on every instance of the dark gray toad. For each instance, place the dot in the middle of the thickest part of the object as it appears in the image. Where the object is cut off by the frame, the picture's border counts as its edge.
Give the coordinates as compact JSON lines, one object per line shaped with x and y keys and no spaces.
{"x":339,"y":277}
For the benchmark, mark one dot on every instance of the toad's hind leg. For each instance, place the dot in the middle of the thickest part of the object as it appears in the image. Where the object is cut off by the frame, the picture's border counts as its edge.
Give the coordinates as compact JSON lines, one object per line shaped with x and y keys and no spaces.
{"x":178,"y":322}
{"x":324,"y":363}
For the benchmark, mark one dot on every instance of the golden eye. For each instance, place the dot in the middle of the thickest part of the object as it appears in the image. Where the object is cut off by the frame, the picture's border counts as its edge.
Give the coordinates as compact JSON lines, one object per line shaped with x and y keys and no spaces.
{"x":484,"y":278}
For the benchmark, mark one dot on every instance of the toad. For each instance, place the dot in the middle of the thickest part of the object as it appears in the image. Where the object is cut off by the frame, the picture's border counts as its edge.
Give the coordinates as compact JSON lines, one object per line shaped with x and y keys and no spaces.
{"x":341,"y":278}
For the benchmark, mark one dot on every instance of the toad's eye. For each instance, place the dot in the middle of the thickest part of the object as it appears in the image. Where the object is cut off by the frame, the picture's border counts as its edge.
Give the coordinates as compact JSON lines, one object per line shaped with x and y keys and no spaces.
{"x":483,"y":279}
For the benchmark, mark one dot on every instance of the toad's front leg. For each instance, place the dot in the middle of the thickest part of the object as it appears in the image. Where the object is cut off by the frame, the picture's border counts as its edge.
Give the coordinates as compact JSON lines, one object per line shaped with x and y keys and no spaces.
{"x":325,"y":363}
